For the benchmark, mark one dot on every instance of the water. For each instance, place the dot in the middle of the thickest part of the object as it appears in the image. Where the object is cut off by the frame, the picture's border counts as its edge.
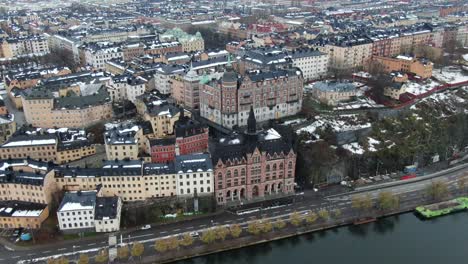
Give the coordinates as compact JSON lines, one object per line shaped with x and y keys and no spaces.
{"x":399,"y":239}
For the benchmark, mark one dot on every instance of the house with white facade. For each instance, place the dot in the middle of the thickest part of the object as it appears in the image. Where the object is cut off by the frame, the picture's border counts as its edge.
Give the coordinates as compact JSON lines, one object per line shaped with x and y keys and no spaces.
{"x":76,"y":212}
{"x":96,"y":55}
{"x":125,"y":87}
{"x":194,"y":175}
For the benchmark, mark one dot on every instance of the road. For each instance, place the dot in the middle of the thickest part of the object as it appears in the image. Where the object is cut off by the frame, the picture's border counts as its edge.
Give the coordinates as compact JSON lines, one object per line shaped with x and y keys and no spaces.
{"x":411,"y":194}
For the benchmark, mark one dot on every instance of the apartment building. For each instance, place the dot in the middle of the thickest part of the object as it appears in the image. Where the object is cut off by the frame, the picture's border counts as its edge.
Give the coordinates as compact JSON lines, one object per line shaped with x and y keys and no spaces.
{"x":332,"y":92}
{"x":17,"y":214}
{"x":190,"y":137}
{"x":186,"y":89}
{"x":272,"y":94}
{"x":7,"y":127}
{"x":76,"y":212}
{"x":162,"y":116}
{"x":59,"y":146}
{"x":349,"y":55}
{"x":402,"y":63}
{"x":252,"y":165}
{"x":161,"y":48}
{"x":125,"y":87}
{"x":195,"y":175}
{"x":26,"y":180}
{"x":96,"y":55}
{"x":189,"y":42}
{"x":42,"y":109}
{"x":312,"y":63}
{"x":67,"y":44}
{"x":107,"y":213}
{"x":123,"y":141}
{"x":24,"y":46}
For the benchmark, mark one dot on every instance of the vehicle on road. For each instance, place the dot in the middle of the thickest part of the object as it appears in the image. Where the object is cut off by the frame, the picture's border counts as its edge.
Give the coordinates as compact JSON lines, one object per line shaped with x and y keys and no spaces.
{"x":194,"y":234}
{"x":145,"y":227}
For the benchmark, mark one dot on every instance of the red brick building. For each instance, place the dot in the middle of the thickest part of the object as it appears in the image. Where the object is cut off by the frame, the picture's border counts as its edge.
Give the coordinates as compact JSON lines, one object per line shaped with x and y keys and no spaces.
{"x":190,"y":137}
{"x":253,"y":165}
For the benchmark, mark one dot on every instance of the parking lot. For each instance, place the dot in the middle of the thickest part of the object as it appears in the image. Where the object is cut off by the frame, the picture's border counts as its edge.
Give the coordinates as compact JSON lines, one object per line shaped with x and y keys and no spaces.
{"x":9,"y":234}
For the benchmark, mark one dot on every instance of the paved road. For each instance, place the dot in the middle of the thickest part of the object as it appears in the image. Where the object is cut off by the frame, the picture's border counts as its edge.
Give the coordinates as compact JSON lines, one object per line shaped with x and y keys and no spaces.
{"x":411,"y":194}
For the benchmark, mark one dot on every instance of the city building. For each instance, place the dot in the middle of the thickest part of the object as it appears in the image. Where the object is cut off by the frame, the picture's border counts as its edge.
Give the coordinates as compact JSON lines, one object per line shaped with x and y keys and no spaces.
{"x":23,"y":46}
{"x":7,"y":127}
{"x":27,"y":181}
{"x":126,"y":87}
{"x":42,"y":109}
{"x":124,"y":141}
{"x":194,"y":175}
{"x":96,"y":55}
{"x":395,"y":90}
{"x":253,"y":165}
{"x":332,"y":92}
{"x":189,"y":42}
{"x":59,"y":146}
{"x":417,"y":67}
{"x":76,"y":212}
{"x":107,"y":213}
{"x":273,"y":94}
{"x":27,"y":215}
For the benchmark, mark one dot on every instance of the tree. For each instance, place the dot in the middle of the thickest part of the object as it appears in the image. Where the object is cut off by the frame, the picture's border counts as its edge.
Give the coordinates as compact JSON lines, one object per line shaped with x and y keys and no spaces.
{"x":84,"y":259}
{"x":160,"y":245}
{"x":236,"y":230}
{"x":437,"y":190}
{"x":367,"y":202}
{"x":295,"y":219}
{"x":311,"y":218}
{"x":267,"y":226}
{"x":122,"y":252}
{"x":324,"y":214}
{"x":254,"y":228}
{"x":221,"y":233}
{"x":279,"y":224}
{"x":356,"y":202}
{"x":461,"y":182}
{"x":337,"y":213}
{"x":102,"y":256}
{"x":387,"y":201}
{"x":172,"y":243}
{"x":137,"y":249}
{"x":187,"y":240}
{"x":208,"y":236}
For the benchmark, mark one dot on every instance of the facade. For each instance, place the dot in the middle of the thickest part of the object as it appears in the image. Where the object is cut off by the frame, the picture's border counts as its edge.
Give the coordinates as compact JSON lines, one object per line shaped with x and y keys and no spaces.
{"x":190,"y":137}
{"x":41,"y":109}
{"x":331,"y":93}
{"x":96,"y":56}
{"x":162,"y":116}
{"x":7,"y":127}
{"x":194,"y":175}
{"x":419,"y":67}
{"x":107,"y":213}
{"x":395,"y":90}
{"x":16,"y":214}
{"x":186,"y":90}
{"x":123,"y":141}
{"x":253,"y":165}
{"x":312,"y":63}
{"x":189,"y":42}
{"x":273,"y":94}
{"x":59,"y":146}
{"x":162,"y":77}
{"x":76,"y":212}
{"x":126,"y":87}
{"x":26,"y":180}
{"x":24,"y":46}
{"x":133,"y":182}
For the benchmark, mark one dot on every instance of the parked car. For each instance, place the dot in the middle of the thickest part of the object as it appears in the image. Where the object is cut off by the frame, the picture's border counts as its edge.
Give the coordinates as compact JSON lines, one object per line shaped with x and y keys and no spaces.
{"x":145,"y":227}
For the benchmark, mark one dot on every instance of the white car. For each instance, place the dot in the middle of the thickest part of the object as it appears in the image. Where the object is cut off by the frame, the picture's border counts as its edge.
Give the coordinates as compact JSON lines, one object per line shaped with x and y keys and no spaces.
{"x":194,"y":234}
{"x":145,"y":227}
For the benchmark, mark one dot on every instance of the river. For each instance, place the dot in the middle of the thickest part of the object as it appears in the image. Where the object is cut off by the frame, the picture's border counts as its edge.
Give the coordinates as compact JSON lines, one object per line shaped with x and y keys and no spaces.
{"x":399,"y":239}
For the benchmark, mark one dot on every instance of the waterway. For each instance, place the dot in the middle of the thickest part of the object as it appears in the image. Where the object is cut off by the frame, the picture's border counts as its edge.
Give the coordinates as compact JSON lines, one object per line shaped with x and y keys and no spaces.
{"x":400,"y":239}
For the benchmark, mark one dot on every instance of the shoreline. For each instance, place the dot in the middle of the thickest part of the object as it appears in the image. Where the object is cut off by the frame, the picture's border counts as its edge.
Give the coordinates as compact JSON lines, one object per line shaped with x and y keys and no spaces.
{"x":260,"y":239}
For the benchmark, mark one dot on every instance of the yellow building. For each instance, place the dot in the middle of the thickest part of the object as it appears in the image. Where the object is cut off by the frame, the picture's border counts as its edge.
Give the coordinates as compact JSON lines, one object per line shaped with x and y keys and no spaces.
{"x":419,"y":67}
{"x":41,"y":109}
{"x":14,"y":214}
